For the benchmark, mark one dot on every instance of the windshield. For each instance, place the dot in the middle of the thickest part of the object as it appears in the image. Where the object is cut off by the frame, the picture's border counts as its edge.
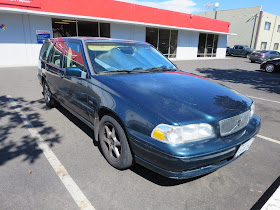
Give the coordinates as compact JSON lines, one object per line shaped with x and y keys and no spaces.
{"x":128,"y":57}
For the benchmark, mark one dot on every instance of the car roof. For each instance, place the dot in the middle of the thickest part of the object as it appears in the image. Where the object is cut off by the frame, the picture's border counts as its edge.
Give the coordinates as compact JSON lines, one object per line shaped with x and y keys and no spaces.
{"x":94,"y":39}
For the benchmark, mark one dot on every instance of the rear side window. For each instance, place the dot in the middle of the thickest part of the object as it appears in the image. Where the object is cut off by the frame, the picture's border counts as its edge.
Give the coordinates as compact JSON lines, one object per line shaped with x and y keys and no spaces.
{"x":56,"y":55}
{"x":241,"y":48}
{"x":73,"y":56}
{"x":45,"y":51}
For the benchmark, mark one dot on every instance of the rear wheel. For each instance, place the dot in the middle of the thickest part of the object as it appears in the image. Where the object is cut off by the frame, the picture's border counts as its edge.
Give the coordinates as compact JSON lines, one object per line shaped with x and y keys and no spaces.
{"x":113,"y":143}
{"x":269,"y":68}
{"x":50,"y":101}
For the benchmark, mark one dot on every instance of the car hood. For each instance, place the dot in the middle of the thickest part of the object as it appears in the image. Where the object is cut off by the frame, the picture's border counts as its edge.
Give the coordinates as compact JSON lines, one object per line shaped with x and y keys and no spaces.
{"x":181,"y":97}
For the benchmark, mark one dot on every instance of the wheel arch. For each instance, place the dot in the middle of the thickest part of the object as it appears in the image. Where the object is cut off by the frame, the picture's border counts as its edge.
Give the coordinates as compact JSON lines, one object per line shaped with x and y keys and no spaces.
{"x":106,"y":111}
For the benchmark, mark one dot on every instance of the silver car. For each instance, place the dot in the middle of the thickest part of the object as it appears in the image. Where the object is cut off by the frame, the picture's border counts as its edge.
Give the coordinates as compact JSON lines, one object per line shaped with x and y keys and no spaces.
{"x":263,"y":55}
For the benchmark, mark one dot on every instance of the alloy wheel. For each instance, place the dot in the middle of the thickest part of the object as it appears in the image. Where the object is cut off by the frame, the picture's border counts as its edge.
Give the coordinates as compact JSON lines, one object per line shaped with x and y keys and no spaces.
{"x":269,"y":68}
{"x":111,"y":142}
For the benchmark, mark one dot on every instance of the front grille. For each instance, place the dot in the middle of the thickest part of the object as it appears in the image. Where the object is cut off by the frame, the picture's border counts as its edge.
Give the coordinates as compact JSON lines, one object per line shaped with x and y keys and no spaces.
{"x":233,"y":124}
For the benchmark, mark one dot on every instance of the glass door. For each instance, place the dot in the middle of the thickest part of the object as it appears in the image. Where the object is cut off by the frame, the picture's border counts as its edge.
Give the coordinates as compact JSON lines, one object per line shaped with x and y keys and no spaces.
{"x":207,"y":45}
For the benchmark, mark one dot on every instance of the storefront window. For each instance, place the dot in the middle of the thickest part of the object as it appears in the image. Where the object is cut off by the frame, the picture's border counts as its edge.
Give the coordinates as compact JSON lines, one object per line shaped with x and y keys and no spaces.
{"x":105,"y":30}
{"x":86,"y":28}
{"x":164,"y":40}
{"x":66,"y":28}
{"x":207,"y":45}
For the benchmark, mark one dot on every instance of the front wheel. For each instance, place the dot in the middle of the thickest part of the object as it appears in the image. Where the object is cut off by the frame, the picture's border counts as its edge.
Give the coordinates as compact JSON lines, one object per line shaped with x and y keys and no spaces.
{"x":114,"y":144}
{"x":269,"y":68}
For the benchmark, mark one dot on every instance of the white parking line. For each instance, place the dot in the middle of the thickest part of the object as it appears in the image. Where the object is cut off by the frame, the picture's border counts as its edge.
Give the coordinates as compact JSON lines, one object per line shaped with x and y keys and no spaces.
{"x":273,"y":202}
{"x":268,"y":139}
{"x":71,"y":186}
{"x":278,"y":102}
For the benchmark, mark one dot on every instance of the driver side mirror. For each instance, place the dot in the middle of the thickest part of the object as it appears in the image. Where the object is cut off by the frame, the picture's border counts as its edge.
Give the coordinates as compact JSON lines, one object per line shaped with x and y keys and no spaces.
{"x":75,"y":72}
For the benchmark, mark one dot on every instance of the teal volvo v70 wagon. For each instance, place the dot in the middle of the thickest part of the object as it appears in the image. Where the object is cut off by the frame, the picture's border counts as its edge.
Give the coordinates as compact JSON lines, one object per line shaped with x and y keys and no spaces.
{"x":143,"y":109}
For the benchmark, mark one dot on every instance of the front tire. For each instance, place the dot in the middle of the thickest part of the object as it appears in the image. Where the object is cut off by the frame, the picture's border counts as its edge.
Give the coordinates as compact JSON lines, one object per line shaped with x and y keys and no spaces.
{"x":49,"y":100}
{"x":269,"y":68}
{"x":114,"y":144}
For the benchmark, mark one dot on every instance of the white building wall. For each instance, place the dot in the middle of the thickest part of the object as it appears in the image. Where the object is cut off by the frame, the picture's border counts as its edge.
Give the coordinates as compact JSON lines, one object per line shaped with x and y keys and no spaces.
{"x":221,"y":47}
{"x":187,"y":44}
{"x":18,"y":43}
{"x":128,"y":31}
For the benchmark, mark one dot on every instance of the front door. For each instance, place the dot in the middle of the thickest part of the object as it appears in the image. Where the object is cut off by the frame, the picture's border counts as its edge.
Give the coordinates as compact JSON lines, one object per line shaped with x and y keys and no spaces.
{"x":77,"y":86}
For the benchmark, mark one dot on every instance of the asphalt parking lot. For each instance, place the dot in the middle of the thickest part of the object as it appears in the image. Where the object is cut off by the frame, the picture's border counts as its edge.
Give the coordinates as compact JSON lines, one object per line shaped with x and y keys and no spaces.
{"x":28,"y":180}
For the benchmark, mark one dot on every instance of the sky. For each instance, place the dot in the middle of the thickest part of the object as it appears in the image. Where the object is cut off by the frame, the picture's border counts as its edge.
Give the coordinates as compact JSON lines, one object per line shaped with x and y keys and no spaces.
{"x":195,"y":6}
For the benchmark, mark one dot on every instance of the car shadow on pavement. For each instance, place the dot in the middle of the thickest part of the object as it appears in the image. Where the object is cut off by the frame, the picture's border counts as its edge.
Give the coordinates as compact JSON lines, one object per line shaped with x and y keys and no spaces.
{"x":258,"y":79}
{"x":80,"y":124}
{"x":22,"y":144}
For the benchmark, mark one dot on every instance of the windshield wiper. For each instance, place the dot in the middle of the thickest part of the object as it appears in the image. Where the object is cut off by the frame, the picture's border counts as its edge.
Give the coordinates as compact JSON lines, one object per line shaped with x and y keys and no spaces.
{"x":123,"y":71}
{"x":160,"y":69}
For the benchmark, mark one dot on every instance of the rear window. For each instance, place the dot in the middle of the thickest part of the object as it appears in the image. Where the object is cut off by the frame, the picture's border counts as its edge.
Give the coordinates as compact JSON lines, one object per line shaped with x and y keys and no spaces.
{"x":45,"y":51}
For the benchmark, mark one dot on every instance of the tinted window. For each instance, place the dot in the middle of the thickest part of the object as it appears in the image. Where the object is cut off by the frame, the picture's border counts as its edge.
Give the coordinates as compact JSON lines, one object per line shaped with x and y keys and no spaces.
{"x":56,"y":55}
{"x":152,"y":36}
{"x":236,"y":47}
{"x":73,"y":56}
{"x":86,"y":28}
{"x":273,"y":53}
{"x":104,"y":30}
{"x":45,"y":51}
{"x":241,"y":48}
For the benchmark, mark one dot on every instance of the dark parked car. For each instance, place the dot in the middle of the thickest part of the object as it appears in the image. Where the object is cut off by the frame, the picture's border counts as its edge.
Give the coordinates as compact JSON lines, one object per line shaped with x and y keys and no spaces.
{"x":144,"y":110}
{"x":240,"y":50}
{"x":263,"y":55}
{"x":271,"y":65}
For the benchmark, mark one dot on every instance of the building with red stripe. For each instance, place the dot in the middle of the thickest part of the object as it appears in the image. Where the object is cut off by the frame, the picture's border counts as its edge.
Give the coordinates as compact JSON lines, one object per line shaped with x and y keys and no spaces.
{"x":177,"y":35}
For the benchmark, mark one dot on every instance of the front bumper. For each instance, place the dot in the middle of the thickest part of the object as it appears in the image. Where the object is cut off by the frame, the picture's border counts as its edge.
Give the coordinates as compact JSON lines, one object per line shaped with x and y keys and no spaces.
{"x":191,"y":159}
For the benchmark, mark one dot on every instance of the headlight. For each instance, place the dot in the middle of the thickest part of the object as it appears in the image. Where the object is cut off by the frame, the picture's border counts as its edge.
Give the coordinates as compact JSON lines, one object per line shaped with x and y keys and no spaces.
{"x":181,"y":134}
{"x":252,"y":110}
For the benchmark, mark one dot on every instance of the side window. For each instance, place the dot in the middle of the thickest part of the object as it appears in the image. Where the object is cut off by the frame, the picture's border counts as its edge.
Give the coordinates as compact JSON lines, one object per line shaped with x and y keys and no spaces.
{"x":73,"y":56}
{"x":241,"y":48}
{"x":57,"y":51}
{"x":236,"y":47}
{"x":273,"y":53}
{"x":45,"y":51}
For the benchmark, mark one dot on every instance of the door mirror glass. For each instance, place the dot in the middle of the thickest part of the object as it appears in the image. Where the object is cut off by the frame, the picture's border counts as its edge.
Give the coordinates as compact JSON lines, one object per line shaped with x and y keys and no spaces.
{"x":73,"y":71}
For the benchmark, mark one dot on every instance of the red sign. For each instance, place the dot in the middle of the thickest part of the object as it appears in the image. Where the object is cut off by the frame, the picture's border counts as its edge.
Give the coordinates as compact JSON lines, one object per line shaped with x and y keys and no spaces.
{"x":26,"y":3}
